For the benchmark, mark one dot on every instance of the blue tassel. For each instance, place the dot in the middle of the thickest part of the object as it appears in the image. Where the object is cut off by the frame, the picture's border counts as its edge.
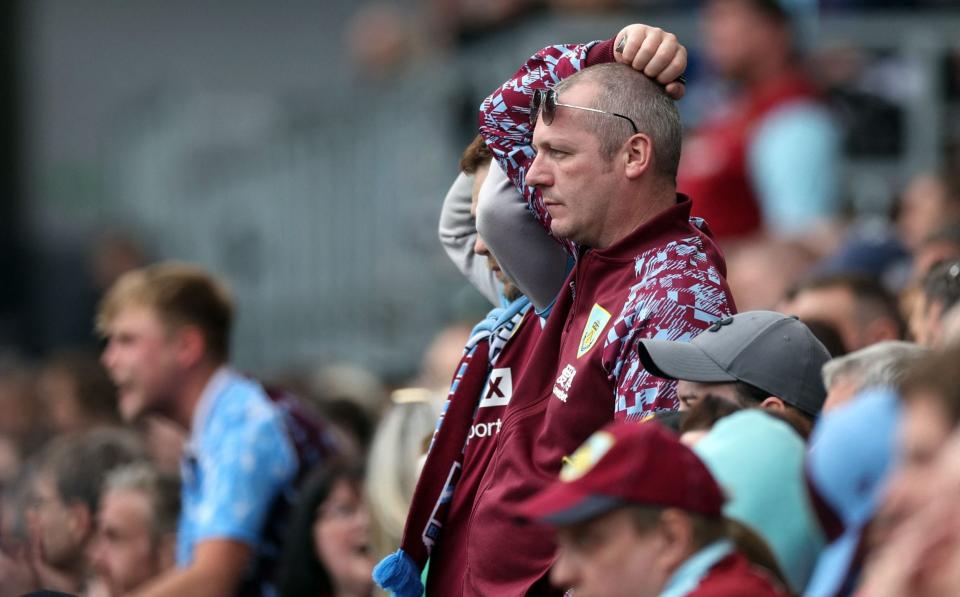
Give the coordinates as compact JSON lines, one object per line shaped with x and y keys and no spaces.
{"x":399,"y":574}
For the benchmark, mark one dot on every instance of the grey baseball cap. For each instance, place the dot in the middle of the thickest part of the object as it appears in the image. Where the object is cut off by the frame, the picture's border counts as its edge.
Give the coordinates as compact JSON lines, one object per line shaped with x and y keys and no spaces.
{"x":771,"y":351}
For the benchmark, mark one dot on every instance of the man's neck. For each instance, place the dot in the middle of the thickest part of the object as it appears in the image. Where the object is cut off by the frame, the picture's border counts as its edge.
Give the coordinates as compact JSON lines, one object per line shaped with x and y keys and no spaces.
{"x":191,"y":392}
{"x":648,"y":205}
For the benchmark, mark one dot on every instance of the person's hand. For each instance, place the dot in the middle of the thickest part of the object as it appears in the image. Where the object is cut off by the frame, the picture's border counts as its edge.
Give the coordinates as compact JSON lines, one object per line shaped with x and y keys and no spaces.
{"x":654,"y":52}
{"x":16,"y":574}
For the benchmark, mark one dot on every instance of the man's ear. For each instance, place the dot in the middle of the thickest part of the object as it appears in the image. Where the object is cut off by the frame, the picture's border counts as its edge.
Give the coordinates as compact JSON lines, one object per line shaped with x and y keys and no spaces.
{"x":773,"y":403}
{"x":191,"y":345}
{"x":677,"y":529}
{"x":638,"y":155}
{"x":81,"y":520}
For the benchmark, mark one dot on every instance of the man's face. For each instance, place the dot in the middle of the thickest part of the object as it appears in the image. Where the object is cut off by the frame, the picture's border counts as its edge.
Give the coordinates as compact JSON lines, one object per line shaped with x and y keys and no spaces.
{"x":578,"y":182}
{"x":141,"y":357}
{"x":923,"y":431}
{"x":690,"y":392}
{"x":341,"y":536}
{"x":609,"y":557}
{"x":733,"y":34}
{"x":510,"y":289}
{"x":125,"y":553}
{"x":59,"y":527}
{"x":835,"y":306}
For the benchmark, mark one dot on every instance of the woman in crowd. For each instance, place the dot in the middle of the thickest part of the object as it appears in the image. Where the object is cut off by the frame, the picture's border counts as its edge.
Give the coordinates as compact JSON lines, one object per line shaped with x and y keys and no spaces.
{"x":327,"y":553}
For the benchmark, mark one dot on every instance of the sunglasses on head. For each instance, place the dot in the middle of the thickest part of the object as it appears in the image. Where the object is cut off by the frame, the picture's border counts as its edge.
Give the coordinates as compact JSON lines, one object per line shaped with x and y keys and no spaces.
{"x":543,"y":105}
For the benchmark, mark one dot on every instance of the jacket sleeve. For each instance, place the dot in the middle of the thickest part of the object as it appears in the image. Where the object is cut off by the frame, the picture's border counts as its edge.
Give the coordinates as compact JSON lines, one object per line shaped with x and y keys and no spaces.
{"x":458,"y":233}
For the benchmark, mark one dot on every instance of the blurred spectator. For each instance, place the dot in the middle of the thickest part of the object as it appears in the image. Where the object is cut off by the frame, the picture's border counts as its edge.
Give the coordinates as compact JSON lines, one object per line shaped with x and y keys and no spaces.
{"x":754,"y":359}
{"x":768,"y":158}
{"x":76,"y":393}
{"x":928,"y":202}
{"x":758,"y":462}
{"x":396,"y":455}
{"x":136,"y":528}
{"x":168,"y":329}
{"x":943,"y":244}
{"x":761,"y":273}
{"x":442,"y":357}
{"x":65,"y":489}
{"x":328,"y":550}
{"x":352,"y":399}
{"x":848,"y":467}
{"x":914,"y":541}
{"x":931,"y":411}
{"x":642,"y":526}
{"x":858,"y":306}
{"x":939,"y":292}
{"x":380,"y":39}
{"x":883,"y":364}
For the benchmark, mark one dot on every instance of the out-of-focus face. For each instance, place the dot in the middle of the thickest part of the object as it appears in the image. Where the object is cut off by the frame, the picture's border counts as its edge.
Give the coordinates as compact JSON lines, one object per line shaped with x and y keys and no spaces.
{"x":691,"y":393}
{"x":341,"y":535}
{"x":141,"y":358}
{"x":58,"y":526}
{"x":510,"y":289}
{"x":125,"y":553}
{"x":835,"y":306}
{"x":579,"y":184}
{"x":734,"y":34}
{"x":923,"y":210}
{"x":609,"y":557}
{"x":924,"y":430}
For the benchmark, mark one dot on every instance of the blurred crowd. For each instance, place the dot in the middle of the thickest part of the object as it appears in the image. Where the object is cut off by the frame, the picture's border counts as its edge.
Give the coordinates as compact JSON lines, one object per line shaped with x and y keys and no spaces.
{"x":826,"y":442}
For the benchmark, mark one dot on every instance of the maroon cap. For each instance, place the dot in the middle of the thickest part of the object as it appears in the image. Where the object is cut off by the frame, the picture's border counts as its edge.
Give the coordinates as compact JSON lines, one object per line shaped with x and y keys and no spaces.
{"x":627,"y":464}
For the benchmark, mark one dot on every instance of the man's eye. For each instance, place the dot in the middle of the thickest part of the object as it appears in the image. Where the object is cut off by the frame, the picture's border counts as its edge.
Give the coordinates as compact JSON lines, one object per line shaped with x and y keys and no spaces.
{"x":556,"y":153}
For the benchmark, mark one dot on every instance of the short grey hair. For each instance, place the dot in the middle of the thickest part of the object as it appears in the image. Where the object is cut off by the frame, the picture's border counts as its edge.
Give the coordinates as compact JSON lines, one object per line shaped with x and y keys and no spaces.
{"x":880,"y":364}
{"x":163,"y":491}
{"x":623,"y":90}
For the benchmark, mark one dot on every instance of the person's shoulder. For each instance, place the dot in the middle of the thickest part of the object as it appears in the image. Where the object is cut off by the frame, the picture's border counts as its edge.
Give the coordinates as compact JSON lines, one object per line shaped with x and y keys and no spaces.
{"x":244,"y":408}
{"x":735,"y":576}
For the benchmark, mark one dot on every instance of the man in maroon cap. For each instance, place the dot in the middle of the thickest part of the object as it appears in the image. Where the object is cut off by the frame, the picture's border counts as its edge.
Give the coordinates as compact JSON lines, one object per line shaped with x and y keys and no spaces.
{"x":637,"y":513}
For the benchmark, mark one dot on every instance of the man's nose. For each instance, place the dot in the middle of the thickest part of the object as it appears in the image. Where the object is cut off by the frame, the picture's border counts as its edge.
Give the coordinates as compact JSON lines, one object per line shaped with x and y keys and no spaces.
{"x":537,"y":175}
{"x":480,"y":247}
{"x":563,"y":573}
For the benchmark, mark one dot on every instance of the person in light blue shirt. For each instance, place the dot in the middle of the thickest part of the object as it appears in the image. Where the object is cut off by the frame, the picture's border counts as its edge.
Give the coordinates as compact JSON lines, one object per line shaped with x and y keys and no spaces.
{"x":168,"y":335}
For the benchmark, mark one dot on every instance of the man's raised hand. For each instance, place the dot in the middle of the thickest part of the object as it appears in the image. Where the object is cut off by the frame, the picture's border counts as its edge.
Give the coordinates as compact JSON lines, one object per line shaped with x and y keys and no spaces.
{"x":654,"y":52}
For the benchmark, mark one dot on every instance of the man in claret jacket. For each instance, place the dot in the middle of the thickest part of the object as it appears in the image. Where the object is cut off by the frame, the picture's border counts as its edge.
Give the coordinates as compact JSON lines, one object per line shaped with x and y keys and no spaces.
{"x":593,"y":144}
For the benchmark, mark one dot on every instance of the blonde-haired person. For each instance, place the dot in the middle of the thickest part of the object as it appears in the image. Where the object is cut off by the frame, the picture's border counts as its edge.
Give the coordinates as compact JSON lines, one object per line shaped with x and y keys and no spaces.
{"x":168,"y":330}
{"x":396,"y":456}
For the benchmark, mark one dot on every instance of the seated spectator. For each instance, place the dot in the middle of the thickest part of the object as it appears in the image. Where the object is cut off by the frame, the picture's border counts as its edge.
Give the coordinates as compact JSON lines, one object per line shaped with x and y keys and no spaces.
{"x":848,"y":466}
{"x":637,"y":513}
{"x":858,"y":306}
{"x":65,"y":499}
{"x":755,"y":358}
{"x":939,"y":292}
{"x":758,"y":461}
{"x":882,"y":364}
{"x":136,"y":528}
{"x":328,"y":551}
